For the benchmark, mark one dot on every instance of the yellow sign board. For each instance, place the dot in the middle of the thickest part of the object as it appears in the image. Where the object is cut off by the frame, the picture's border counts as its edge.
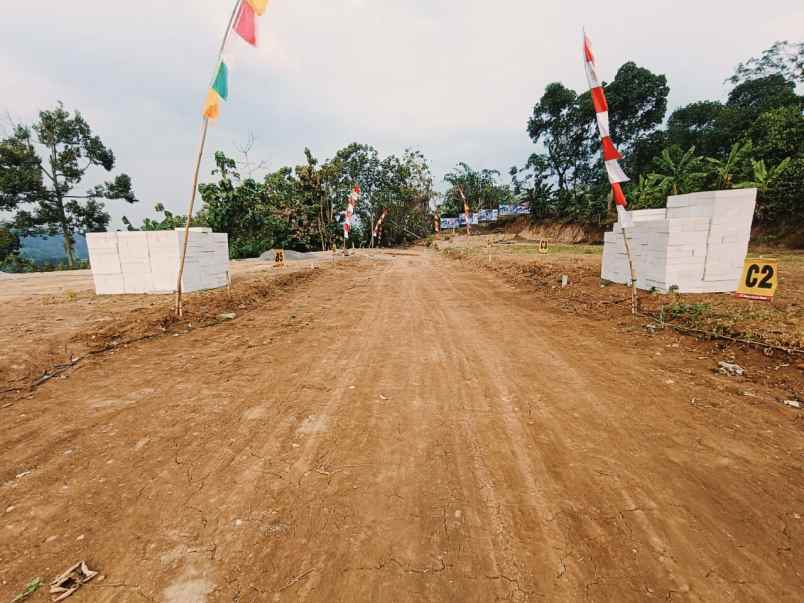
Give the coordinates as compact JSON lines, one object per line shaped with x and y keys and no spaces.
{"x":279,"y":258}
{"x":759,"y":280}
{"x":544,"y":246}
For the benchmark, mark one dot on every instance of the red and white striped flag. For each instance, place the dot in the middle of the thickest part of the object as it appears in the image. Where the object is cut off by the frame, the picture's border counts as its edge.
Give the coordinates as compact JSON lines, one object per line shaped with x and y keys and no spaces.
{"x":611,"y":156}
{"x":378,"y":226}
{"x":354,"y":197}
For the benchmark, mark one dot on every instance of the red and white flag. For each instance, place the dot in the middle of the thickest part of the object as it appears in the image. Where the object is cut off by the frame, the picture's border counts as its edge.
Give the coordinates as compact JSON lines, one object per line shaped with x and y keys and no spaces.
{"x":378,"y":225}
{"x":611,"y":156}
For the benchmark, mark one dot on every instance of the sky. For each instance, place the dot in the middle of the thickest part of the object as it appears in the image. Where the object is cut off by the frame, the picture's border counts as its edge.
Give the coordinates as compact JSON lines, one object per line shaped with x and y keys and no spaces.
{"x":456,"y":80}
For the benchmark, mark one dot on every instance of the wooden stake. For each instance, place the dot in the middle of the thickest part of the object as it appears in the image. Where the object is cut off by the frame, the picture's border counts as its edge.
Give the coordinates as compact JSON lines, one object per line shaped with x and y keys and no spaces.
{"x":204,"y":128}
{"x":634,"y":295}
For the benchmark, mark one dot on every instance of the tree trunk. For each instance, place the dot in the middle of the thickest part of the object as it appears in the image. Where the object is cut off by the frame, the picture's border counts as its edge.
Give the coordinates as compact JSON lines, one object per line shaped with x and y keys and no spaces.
{"x":69,"y":244}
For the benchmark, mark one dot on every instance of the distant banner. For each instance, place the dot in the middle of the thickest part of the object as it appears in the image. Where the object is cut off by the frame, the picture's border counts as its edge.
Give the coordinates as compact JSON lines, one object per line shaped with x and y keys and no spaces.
{"x":447,"y":223}
{"x":487,"y":215}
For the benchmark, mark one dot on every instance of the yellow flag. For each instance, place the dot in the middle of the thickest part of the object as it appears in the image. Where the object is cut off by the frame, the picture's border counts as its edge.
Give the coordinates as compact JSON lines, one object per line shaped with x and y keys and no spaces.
{"x":259,"y":6}
{"x":212,"y":106}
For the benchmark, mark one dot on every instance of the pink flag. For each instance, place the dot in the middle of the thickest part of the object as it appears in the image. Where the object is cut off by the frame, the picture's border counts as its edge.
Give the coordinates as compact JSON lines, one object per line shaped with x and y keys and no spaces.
{"x":246,"y":23}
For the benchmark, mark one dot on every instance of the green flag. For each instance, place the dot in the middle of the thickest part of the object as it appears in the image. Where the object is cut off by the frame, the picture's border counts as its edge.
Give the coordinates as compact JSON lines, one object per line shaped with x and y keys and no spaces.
{"x":221,"y":84}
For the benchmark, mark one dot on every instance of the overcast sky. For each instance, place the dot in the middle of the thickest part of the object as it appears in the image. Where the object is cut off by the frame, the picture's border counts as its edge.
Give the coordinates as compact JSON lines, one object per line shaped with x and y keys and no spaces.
{"x":454,"y":79}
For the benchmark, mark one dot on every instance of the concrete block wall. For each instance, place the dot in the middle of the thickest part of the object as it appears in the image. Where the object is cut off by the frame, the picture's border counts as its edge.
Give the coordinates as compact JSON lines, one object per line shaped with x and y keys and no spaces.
{"x":148,"y":262}
{"x":697,"y":243}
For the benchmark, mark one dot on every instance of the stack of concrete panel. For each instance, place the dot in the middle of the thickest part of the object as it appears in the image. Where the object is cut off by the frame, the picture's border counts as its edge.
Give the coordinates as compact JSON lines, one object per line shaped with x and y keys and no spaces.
{"x":148,"y":262}
{"x":697,"y":244}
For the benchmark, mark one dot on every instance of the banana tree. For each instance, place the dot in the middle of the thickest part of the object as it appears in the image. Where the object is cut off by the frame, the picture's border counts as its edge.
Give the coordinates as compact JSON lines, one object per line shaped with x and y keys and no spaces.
{"x":763,"y":178}
{"x":649,"y":192}
{"x":725,"y":170}
{"x":679,"y":172}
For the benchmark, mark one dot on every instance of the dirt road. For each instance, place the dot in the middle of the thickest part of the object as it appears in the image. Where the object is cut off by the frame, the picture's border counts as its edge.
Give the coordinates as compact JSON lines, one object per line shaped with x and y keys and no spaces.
{"x":402,"y":429}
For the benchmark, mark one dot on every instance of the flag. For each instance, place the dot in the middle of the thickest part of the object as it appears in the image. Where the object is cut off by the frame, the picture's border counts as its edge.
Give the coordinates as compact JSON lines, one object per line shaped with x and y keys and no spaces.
{"x":611,"y":155}
{"x":259,"y":6}
{"x":246,"y":23}
{"x":212,"y":105}
{"x":221,"y":83}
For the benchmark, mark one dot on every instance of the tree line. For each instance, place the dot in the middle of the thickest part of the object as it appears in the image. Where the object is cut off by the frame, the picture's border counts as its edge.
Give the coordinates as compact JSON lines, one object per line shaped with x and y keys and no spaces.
{"x":755,"y":138}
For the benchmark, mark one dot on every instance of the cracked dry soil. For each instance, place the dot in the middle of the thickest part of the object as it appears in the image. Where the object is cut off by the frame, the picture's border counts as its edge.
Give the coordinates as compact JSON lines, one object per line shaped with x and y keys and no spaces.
{"x":404,"y":430}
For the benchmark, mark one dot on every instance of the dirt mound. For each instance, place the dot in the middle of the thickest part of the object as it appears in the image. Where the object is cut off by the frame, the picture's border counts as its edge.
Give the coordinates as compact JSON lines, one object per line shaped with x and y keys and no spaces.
{"x":563,"y":233}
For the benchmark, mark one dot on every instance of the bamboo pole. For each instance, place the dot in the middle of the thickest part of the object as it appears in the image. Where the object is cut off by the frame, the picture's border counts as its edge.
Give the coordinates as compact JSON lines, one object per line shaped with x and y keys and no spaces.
{"x":199,"y":156}
{"x":634,"y":295}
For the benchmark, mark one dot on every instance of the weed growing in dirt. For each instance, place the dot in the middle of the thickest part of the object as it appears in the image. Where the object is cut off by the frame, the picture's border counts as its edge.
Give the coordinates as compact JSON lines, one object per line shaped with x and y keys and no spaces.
{"x":691,"y":312}
{"x":32,"y":587}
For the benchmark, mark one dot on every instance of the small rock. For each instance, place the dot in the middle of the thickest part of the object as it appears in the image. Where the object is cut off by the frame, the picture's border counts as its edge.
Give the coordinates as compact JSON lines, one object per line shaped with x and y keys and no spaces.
{"x":24,"y":473}
{"x":227,"y":316}
{"x":728,"y":368}
{"x":793,"y":404}
{"x":10,"y":509}
{"x":81,"y":537}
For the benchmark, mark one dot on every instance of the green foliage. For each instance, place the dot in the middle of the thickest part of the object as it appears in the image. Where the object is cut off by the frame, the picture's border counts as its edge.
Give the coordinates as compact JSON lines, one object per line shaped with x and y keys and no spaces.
{"x":783,"y":58}
{"x":566,"y":179}
{"x":30,"y":589}
{"x":726,"y":170}
{"x":481,"y":189}
{"x":301,"y":208}
{"x":754,"y":139}
{"x":783,"y":200}
{"x":691,"y":312}
{"x":680,"y":171}
{"x":650,"y":192}
{"x":9,"y":243}
{"x":42,"y":165}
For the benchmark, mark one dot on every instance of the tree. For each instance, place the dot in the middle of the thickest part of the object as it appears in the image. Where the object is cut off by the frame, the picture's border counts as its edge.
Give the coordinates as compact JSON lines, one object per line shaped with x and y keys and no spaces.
{"x":564,"y":130}
{"x":762,"y":177}
{"x":783,"y":200}
{"x":783,"y":58}
{"x":698,"y":125}
{"x":237,"y":207}
{"x":777,"y":134}
{"x":9,"y":243}
{"x":69,"y":149}
{"x":679,"y":171}
{"x":481,"y":189}
{"x":753,"y":97}
{"x":637,"y":100}
{"x":725,"y":170}
{"x":649,"y":192}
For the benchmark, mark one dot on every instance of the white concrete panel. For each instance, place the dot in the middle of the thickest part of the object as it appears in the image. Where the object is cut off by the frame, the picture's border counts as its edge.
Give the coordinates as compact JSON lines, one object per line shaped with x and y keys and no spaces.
{"x":698,"y":243}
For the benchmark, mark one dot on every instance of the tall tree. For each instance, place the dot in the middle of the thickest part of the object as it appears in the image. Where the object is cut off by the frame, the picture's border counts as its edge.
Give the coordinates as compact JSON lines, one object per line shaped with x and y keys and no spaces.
{"x":481,"y":188}
{"x":41,"y":166}
{"x":637,"y":100}
{"x":564,"y":130}
{"x":783,"y":58}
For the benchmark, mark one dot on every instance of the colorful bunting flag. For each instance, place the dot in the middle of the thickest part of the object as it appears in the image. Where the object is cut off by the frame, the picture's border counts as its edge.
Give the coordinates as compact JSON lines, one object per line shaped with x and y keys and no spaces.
{"x":611,"y":155}
{"x":246,"y":24}
{"x":259,"y":6}
{"x":221,"y":83}
{"x":212,"y":105}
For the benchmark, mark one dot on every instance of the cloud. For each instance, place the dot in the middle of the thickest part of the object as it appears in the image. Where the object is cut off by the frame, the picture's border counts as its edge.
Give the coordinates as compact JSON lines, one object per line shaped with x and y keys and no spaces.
{"x":456,"y":80}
